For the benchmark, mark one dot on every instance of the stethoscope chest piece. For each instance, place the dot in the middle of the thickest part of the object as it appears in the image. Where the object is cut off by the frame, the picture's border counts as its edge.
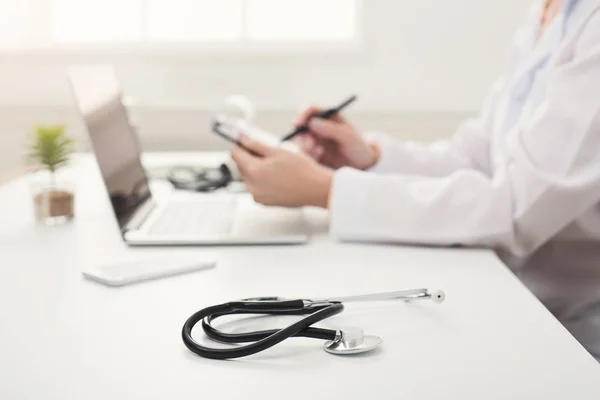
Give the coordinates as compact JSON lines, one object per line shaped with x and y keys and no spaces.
{"x":352,"y":341}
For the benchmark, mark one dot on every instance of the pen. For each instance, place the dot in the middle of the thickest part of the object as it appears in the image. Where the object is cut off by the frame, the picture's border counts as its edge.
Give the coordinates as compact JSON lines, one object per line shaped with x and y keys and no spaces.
{"x":327,"y":114}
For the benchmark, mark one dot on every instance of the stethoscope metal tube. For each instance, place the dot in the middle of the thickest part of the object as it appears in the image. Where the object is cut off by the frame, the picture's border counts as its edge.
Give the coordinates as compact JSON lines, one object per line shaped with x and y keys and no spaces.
{"x":408,"y":295}
{"x":348,"y":341}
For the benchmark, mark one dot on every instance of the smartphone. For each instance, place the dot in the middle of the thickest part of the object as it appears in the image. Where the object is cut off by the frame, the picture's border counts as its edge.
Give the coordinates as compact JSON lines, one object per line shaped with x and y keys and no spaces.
{"x":231,"y":130}
{"x":126,"y":272}
{"x":227,"y":132}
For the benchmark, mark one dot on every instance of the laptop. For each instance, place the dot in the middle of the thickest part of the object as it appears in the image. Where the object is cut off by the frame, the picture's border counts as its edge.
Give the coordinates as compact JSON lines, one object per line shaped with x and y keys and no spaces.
{"x":199,"y":219}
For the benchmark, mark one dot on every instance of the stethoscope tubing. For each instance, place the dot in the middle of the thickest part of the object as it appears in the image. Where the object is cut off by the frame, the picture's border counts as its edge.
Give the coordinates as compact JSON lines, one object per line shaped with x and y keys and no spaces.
{"x":234,"y":338}
{"x":261,"y":340}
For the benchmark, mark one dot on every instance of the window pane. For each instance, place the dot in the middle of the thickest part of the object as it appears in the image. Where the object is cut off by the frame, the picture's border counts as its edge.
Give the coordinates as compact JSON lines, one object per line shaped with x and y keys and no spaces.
{"x":15,"y":21}
{"x":198,"y":20}
{"x":97,"y":20}
{"x":301,"y":19}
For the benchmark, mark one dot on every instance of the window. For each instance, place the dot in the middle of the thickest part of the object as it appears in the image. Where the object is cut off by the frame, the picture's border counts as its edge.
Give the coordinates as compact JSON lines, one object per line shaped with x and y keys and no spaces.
{"x":88,"y":23}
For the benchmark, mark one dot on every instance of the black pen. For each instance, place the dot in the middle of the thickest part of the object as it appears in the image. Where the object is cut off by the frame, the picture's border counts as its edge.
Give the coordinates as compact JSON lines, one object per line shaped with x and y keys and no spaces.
{"x":327,"y":114}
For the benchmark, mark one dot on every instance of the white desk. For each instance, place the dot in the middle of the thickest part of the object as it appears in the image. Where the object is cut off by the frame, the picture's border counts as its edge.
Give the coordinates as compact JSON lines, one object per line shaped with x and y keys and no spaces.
{"x":62,"y":337}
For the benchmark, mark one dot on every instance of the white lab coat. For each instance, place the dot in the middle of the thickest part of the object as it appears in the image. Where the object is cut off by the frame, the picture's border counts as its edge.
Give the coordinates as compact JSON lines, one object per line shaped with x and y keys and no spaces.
{"x":522,"y":178}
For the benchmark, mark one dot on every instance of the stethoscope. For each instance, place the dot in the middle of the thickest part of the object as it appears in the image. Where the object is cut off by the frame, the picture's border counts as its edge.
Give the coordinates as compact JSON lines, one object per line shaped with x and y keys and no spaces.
{"x":341,"y":342}
{"x":229,"y":119}
{"x":201,"y":180}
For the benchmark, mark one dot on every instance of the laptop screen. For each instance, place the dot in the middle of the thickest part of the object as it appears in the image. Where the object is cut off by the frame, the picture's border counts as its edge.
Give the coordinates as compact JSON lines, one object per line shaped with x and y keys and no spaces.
{"x":100,"y":101}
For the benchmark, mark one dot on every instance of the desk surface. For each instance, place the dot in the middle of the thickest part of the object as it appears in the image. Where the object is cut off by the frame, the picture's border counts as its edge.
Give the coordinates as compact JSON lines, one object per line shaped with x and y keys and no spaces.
{"x":62,"y":337}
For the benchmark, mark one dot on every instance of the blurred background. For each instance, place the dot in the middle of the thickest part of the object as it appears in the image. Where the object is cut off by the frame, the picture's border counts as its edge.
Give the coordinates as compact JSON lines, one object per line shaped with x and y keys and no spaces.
{"x":419,"y":67}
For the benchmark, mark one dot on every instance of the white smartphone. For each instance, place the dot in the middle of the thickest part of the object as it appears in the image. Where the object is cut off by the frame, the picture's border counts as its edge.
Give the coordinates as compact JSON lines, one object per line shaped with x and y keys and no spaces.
{"x":138,"y":270}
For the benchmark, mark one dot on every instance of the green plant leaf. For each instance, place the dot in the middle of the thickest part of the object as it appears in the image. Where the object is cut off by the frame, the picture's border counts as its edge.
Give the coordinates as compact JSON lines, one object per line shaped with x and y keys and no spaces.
{"x":51,"y":146}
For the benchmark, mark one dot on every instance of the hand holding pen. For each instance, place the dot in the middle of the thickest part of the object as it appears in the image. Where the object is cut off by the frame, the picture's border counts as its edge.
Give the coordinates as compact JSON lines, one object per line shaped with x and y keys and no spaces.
{"x":276,"y":176}
{"x":324,"y":114}
{"x":327,"y":137}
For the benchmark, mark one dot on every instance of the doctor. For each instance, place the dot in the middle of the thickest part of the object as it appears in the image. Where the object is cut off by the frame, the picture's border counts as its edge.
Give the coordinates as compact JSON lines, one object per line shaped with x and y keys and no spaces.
{"x":522,"y":178}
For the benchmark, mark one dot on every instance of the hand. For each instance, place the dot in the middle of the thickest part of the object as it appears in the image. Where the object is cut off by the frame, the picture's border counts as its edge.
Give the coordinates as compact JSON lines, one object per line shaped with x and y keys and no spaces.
{"x":335,"y":143}
{"x":278,"y":177}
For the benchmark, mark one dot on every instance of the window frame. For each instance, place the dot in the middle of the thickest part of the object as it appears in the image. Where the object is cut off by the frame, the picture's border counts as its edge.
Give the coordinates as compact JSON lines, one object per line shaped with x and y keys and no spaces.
{"x":241,"y":46}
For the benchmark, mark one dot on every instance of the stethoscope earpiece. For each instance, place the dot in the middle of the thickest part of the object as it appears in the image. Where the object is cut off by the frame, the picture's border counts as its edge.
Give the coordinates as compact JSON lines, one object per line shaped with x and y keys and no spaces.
{"x":438,"y":296}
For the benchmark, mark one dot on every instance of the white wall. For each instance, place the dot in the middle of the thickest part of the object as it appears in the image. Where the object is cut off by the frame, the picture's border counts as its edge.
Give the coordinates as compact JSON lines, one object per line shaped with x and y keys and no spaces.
{"x":426,"y":55}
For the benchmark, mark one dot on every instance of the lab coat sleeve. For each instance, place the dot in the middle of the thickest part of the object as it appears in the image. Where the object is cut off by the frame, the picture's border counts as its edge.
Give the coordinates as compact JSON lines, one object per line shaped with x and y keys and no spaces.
{"x":467,"y":149}
{"x":549,"y":176}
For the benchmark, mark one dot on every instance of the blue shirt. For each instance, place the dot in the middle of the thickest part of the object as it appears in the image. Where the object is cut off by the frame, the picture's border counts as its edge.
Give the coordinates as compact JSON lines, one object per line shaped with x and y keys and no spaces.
{"x":531,"y":76}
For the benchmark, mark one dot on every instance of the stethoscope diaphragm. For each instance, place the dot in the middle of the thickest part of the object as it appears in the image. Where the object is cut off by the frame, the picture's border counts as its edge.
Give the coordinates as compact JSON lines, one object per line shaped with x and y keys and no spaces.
{"x":352,"y":341}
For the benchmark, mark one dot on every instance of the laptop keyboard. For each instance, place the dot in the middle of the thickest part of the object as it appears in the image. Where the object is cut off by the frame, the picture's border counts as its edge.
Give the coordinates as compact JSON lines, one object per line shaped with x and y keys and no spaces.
{"x":203,"y":217}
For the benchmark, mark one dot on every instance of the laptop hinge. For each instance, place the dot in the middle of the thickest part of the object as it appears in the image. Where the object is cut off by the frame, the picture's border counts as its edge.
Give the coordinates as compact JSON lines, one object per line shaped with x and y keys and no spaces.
{"x":140,"y":216}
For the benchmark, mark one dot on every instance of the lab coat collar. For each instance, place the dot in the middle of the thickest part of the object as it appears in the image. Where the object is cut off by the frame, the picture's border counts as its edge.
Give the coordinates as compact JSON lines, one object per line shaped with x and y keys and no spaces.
{"x":538,"y":52}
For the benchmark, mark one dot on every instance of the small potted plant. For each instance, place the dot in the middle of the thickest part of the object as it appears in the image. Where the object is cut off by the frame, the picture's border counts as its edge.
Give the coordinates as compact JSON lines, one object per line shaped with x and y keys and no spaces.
{"x":51,"y":150}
